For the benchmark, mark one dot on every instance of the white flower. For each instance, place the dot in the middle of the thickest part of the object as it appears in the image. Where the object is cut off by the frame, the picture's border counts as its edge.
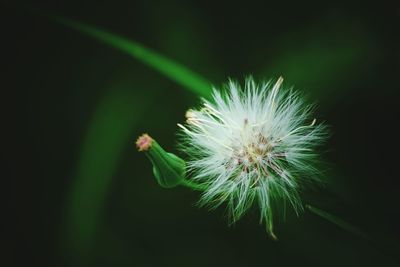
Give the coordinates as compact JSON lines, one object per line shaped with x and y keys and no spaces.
{"x":255,"y":144}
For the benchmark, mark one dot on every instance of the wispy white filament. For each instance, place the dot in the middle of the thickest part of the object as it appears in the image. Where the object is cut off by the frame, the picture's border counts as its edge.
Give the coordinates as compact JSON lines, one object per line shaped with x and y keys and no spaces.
{"x":252,"y":144}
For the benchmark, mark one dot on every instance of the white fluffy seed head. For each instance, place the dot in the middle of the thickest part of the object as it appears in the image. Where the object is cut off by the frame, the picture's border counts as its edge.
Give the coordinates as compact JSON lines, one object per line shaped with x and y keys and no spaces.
{"x":252,"y":144}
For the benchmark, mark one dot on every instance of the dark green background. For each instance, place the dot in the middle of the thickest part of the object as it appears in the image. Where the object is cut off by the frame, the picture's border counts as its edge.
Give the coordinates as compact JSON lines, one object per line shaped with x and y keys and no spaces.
{"x":79,"y":194}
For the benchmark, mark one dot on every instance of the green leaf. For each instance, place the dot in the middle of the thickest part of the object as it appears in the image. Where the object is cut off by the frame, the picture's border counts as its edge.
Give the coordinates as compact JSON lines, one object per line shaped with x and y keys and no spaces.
{"x":173,"y":70}
{"x":112,"y":121}
{"x":108,"y":134}
{"x":319,"y":64}
{"x":166,"y":66}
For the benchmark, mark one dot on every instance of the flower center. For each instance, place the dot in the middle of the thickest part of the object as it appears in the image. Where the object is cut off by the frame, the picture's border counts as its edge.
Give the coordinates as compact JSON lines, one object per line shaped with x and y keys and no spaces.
{"x":253,"y":155}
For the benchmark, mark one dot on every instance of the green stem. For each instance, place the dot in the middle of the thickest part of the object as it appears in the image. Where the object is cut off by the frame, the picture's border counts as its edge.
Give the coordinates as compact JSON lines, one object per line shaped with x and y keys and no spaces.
{"x":390,"y":249}
{"x":337,"y":221}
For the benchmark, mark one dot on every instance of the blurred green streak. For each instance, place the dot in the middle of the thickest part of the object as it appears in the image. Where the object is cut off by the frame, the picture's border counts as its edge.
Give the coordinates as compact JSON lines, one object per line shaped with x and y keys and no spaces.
{"x":107,"y":136}
{"x":310,"y":61}
{"x":382,"y":244}
{"x":337,"y":221}
{"x":164,"y":65}
{"x":168,"y":67}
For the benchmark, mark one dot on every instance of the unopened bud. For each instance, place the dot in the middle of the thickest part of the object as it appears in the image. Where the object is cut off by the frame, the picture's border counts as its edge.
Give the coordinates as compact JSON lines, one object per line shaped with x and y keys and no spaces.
{"x":168,"y":169}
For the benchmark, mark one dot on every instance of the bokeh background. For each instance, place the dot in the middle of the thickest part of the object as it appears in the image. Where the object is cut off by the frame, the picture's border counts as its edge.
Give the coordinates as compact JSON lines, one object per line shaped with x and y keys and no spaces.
{"x":79,"y":194}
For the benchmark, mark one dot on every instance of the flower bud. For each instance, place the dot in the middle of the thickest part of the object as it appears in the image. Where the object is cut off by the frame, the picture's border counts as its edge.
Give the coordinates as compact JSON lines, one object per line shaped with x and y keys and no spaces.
{"x":168,"y":169}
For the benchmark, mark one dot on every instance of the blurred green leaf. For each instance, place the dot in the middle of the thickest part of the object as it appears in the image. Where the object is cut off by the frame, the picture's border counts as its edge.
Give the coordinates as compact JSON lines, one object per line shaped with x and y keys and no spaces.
{"x":108,"y":134}
{"x":311,"y":60}
{"x":173,"y":70}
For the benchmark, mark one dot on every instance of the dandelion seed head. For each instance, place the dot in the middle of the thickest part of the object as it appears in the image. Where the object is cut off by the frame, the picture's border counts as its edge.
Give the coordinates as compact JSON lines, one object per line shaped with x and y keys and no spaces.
{"x":252,"y":144}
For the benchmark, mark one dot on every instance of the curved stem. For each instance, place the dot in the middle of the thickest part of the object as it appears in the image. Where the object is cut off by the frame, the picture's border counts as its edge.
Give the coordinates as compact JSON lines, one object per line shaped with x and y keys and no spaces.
{"x":337,"y":221}
{"x":389,"y":249}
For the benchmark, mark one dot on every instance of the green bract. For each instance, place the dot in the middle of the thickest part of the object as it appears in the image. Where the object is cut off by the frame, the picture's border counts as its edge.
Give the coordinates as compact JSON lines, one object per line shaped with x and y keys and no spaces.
{"x":168,"y":169}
